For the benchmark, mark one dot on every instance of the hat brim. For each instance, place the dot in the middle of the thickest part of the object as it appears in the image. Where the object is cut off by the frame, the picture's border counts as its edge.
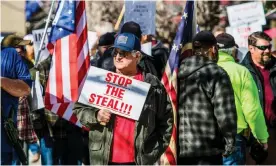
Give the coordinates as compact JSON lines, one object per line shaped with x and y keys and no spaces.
{"x":24,"y":42}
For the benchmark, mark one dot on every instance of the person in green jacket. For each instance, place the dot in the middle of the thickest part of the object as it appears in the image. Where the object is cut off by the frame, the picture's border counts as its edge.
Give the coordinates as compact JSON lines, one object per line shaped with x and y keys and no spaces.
{"x":249,"y":110}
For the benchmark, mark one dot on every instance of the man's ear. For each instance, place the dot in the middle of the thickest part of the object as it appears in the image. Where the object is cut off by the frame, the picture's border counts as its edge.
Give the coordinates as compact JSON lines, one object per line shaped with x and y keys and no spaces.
{"x":138,"y":55}
{"x":250,"y":48}
{"x":213,"y":49}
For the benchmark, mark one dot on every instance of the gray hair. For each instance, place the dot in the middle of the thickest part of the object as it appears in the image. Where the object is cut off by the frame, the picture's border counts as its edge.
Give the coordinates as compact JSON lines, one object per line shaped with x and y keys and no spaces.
{"x":133,"y":53}
{"x":228,"y":51}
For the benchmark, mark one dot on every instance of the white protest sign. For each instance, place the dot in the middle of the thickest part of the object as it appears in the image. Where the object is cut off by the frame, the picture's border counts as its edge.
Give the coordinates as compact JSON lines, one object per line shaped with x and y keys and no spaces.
{"x":37,"y":34}
{"x":251,"y":12}
{"x":92,"y":39}
{"x":242,"y":32}
{"x":36,"y":93}
{"x":143,"y":13}
{"x":117,"y":93}
{"x":146,"y":48}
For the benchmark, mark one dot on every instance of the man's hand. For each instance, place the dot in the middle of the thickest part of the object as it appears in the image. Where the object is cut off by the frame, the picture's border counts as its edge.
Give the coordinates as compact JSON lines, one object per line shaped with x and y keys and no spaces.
{"x":103,"y":116}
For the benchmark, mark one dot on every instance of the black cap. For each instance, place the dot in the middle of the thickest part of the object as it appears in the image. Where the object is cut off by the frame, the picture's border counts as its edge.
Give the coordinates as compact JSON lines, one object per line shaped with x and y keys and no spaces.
{"x":132,"y":27}
{"x":107,"y":39}
{"x":226,"y":40}
{"x":204,"y":38}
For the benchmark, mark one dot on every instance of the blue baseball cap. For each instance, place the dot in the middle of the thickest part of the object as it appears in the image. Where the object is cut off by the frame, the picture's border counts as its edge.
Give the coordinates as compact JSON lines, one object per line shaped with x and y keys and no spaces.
{"x":127,"y":42}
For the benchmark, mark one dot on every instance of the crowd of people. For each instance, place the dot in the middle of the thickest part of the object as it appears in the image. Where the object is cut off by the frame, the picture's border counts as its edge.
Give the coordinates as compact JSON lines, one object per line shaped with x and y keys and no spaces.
{"x":224,"y":107}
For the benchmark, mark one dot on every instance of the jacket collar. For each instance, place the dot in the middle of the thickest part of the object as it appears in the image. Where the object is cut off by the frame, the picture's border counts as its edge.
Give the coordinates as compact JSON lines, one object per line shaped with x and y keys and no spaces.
{"x":247,"y":61}
{"x":224,"y":57}
{"x":193,"y":63}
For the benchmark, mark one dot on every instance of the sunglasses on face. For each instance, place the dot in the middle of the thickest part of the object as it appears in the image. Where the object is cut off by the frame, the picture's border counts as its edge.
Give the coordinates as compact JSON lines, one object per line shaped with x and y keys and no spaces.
{"x":122,"y":54}
{"x":263,"y":48}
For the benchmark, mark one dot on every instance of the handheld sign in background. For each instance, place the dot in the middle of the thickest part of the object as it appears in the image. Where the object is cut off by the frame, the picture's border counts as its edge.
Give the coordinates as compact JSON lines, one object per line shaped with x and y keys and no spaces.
{"x":241,"y":33}
{"x":37,"y":34}
{"x":252,"y":12}
{"x":146,"y":48}
{"x":143,"y":13}
{"x":117,"y":93}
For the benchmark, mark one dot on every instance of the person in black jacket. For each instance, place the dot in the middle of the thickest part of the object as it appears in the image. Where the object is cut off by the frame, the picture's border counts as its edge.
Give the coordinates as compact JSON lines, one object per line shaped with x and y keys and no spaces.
{"x":262,"y":66}
{"x":207,"y":123}
{"x":160,"y":54}
{"x":106,"y":61}
{"x":105,"y":42}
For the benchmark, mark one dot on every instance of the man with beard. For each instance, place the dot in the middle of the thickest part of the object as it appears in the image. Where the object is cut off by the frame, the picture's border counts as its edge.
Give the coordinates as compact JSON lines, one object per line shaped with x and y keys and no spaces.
{"x":262,"y":67}
{"x":207,"y":114}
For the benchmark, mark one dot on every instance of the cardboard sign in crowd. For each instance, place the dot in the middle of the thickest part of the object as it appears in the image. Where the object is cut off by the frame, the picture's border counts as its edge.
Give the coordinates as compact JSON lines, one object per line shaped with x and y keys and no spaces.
{"x":116,"y":93}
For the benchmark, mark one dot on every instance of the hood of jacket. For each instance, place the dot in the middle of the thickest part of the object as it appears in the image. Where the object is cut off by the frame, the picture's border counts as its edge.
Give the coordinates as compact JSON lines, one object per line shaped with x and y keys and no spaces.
{"x":158,"y":45}
{"x":192,"y":64}
{"x":224,"y":57}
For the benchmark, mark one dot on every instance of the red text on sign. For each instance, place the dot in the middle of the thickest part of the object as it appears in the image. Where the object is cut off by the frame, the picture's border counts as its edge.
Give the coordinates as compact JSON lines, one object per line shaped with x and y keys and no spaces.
{"x":115,"y":91}
{"x":117,"y":79}
{"x":113,"y":104}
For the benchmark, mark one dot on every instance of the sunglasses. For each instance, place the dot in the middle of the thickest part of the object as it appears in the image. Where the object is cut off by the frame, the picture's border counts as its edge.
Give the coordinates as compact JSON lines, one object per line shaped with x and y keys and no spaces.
{"x":263,"y":48}
{"x":122,"y":53}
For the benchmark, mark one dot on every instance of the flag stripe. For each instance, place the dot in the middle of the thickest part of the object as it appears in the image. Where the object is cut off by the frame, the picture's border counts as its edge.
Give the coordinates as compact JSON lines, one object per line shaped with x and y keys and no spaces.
{"x":73,"y":119}
{"x":68,"y":112}
{"x":82,"y":56}
{"x":65,"y":64}
{"x":51,"y":88}
{"x":170,"y":156}
{"x":58,"y":69}
{"x":47,"y":98}
{"x":77,"y":5}
{"x":81,"y":24}
{"x":82,"y":72}
{"x":73,"y":65}
{"x":54,"y":108}
{"x":62,"y":108}
{"x":79,"y":13}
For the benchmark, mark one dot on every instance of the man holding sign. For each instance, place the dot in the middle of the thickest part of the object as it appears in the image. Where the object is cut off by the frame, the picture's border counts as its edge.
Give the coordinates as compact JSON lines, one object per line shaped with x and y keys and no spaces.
{"x":115,"y":139}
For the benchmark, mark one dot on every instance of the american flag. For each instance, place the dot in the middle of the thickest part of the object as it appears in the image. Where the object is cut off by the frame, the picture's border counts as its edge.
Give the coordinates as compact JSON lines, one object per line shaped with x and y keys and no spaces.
{"x":181,"y":47}
{"x":70,"y":62}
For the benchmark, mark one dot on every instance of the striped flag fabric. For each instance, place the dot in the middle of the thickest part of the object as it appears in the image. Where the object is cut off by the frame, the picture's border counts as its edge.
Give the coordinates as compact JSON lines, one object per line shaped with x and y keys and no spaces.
{"x":68,"y":45}
{"x":181,"y":47}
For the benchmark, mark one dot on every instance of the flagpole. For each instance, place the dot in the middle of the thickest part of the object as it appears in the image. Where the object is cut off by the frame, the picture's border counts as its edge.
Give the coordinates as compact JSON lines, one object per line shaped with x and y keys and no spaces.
{"x":194,"y":18}
{"x":44,"y":33}
{"x":119,"y":19}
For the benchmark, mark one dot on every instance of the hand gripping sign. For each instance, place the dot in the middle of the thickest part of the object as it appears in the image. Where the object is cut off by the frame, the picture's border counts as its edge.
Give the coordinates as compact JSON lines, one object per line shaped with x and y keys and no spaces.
{"x":119,"y":94}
